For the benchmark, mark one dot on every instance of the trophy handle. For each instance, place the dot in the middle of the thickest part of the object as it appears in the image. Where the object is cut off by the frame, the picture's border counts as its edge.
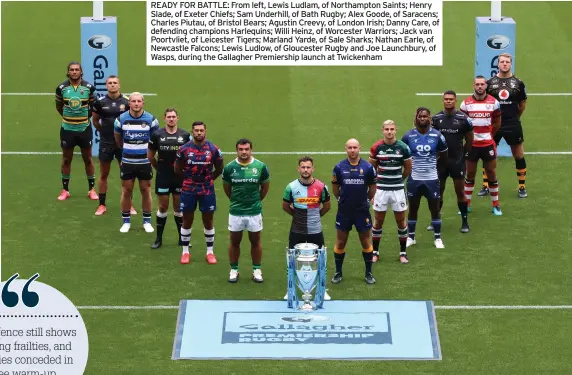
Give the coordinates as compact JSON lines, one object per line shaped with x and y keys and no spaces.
{"x":291,"y":266}
{"x":321,"y":287}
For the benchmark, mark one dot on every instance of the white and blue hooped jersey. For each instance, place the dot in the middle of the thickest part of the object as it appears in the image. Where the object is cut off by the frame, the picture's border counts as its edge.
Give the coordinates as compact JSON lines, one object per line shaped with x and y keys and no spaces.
{"x":136,"y":133}
{"x":424,"y":149}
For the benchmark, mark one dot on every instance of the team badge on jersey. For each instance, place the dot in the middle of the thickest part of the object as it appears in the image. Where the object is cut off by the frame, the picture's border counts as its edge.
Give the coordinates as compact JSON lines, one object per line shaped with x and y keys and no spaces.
{"x":504,"y":94}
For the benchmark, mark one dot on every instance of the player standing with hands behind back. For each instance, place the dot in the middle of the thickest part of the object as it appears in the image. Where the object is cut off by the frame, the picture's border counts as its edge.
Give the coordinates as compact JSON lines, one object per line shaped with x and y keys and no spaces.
{"x":166,"y":142}
{"x":511,"y":94}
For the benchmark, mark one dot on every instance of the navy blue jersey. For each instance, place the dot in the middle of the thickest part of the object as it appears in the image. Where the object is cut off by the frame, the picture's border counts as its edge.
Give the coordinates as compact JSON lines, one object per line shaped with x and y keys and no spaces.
{"x":354,"y":181}
{"x":424,"y":149}
{"x":136,"y":133}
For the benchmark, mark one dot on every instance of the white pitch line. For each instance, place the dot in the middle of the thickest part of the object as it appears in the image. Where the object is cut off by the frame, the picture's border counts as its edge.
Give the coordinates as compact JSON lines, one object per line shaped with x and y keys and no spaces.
{"x":460,"y":307}
{"x":53,"y":94}
{"x":273,"y":153}
{"x":528,"y":94}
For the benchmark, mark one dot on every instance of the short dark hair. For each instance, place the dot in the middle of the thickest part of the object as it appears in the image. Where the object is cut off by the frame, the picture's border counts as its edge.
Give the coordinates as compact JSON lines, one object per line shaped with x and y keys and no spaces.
{"x":171,"y":109}
{"x":481,"y":77}
{"x":450,"y":92}
{"x":418,"y":111}
{"x":198,"y":123}
{"x":243,"y":141}
{"x":304,"y":159}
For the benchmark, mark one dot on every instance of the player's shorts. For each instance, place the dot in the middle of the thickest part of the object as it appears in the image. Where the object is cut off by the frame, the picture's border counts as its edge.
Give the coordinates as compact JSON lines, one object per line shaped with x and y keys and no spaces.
{"x":70,"y":139}
{"x":168,"y":182}
{"x":512,"y":134}
{"x":430,"y":189}
{"x":384,"y":198}
{"x":360,"y":219}
{"x":249,"y":223}
{"x":142,"y":172}
{"x":486,"y":153}
{"x":296,"y":238}
{"x":206,"y":203}
{"x":455,"y":169}
{"x":108,"y":150}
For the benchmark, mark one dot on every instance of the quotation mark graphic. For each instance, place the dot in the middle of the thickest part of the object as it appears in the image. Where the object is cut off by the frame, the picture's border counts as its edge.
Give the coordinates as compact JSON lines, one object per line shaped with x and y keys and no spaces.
{"x":11,"y":299}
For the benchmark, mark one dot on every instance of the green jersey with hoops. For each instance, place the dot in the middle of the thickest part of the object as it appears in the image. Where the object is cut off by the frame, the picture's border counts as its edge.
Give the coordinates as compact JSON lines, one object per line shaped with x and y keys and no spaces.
{"x":245,"y":181}
{"x":77,"y":101}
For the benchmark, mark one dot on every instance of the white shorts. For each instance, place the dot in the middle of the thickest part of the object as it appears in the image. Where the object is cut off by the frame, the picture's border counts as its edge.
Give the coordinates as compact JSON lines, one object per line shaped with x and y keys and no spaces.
{"x":240,"y":223}
{"x":395,"y":198}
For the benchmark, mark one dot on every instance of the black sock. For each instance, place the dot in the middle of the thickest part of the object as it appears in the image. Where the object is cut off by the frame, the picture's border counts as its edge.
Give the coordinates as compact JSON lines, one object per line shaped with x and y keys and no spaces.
{"x":376,"y":238}
{"x":440,"y":205}
{"x":102,"y":198}
{"x":161,"y":221}
{"x":91,"y":182}
{"x":179,"y":222}
{"x":521,"y":172}
{"x":463,"y":207}
{"x":367,"y":258}
{"x":339,"y":259}
{"x":66,"y":181}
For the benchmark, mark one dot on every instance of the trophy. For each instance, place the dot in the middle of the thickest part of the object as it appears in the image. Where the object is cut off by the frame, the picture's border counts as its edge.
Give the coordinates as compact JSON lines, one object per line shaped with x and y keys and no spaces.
{"x":306,"y":272}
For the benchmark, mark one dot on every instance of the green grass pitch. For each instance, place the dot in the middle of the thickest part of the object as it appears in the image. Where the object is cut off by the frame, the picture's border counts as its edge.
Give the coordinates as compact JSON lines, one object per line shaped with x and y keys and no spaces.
{"x":521,"y":258}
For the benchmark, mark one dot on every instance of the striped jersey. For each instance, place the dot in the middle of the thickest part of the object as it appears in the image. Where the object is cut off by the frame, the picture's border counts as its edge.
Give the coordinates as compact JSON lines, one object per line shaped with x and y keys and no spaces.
{"x":482,"y":114}
{"x":77,"y":102}
{"x":390,"y":160}
{"x":306,"y":200}
{"x":136,"y":133}
{"x":424,"y":149}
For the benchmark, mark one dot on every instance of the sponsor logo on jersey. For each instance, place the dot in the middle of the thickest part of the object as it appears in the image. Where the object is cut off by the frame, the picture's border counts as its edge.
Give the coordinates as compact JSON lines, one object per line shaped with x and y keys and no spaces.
{"x":308,"y":200}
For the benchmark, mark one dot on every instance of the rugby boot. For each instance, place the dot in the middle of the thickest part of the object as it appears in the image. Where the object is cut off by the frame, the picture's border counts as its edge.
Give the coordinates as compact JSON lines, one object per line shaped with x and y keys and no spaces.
{"x":93,"y":195}
{"x":211,"y":259}
{"x":64,"y":195}
{"x":185,"y":258}
{"x":410,"y":242}
{"x":484,"y":191}
{"x":100,"y":210}
{"x":369,"y":279}
{"x":257,"y":276}
{"x":233,"y":277}
{"x":522,"y":192}
{"x":375,"y":258}
{"x":497,"y":211}
{"x":337,"y":278}
{"x":157,"y":244}
{"x":439,"y":243}
{"x":403,"y":259}
{"x":465,"y":227}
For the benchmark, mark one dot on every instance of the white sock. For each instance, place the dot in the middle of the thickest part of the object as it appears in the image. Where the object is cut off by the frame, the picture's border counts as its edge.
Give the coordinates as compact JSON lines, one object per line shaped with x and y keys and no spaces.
{"x":209,"y":239}
{"x":185,"y":239}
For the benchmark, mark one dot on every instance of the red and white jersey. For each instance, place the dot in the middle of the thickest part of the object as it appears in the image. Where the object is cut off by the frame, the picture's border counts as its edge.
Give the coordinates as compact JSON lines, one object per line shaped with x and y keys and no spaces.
{"x":482,"y":114}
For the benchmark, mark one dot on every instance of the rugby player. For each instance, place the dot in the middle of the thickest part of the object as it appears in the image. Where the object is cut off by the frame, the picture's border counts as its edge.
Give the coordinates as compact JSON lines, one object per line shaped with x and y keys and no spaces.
{"x":456,"y":127}
{"x":74,"y":100}
{"x":164,"y":144}
{"x":485,"y":113}
{"x":133,"y":129}
{"x":511,"y":94}
{"x":105,"y":110}
{"x":392,"y":160}
{"x":428,"y":147}
{"x":306,"y":199}
{"x":246,"y":181}
{"x":195,"y":161}
{"x":353,"y":185}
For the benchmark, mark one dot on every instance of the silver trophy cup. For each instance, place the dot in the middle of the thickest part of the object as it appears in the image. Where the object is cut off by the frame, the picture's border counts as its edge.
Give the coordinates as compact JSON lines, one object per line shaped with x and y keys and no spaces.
{"x":306,"y":274}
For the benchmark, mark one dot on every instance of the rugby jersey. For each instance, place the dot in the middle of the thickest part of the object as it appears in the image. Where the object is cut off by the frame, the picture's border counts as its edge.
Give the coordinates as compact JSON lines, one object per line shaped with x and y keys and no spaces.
{"x":136,"y":133}
{"x":390,"y":160}
{"x":306,"y":200}
{"x":424,"y":149}
{"x":482,"y":114}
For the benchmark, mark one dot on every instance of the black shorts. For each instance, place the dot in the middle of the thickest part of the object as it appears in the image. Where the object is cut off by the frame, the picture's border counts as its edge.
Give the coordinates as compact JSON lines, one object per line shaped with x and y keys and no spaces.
{"x":70,"y":139}
{"x":486,"y":153}
{"x":167,"y":182}
{"x":296,"y":238}
{"x":512,"y":134}
{"x":108,"y":151}
{"x":143,"y":172}
{"x":455,"y":169}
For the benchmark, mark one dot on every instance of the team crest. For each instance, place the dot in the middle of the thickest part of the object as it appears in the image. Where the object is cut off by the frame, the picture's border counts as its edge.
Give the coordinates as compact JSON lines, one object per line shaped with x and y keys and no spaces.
{"x":489,"y":107}
{"x":504,"y":94}
{"x":254,"y":171}
{"x":122,"y":107}
{"x":180,"y":139}
{"x":81,"y":91}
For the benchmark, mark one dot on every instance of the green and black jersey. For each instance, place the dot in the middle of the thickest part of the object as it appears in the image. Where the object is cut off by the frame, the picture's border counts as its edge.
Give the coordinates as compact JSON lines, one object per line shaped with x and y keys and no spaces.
{"x":77,"y":103}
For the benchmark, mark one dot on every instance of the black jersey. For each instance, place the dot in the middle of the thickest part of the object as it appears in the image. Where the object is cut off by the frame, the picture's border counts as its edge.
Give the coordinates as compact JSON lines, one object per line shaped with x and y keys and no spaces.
{"x":167,"y":145}
{"x":510,"y":92}
{"x":454,"y":127}
{"x":108,"y":110}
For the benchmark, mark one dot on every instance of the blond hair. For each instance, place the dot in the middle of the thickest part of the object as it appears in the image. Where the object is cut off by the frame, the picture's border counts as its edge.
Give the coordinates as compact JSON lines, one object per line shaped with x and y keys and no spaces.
{"x":507,"y":55}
